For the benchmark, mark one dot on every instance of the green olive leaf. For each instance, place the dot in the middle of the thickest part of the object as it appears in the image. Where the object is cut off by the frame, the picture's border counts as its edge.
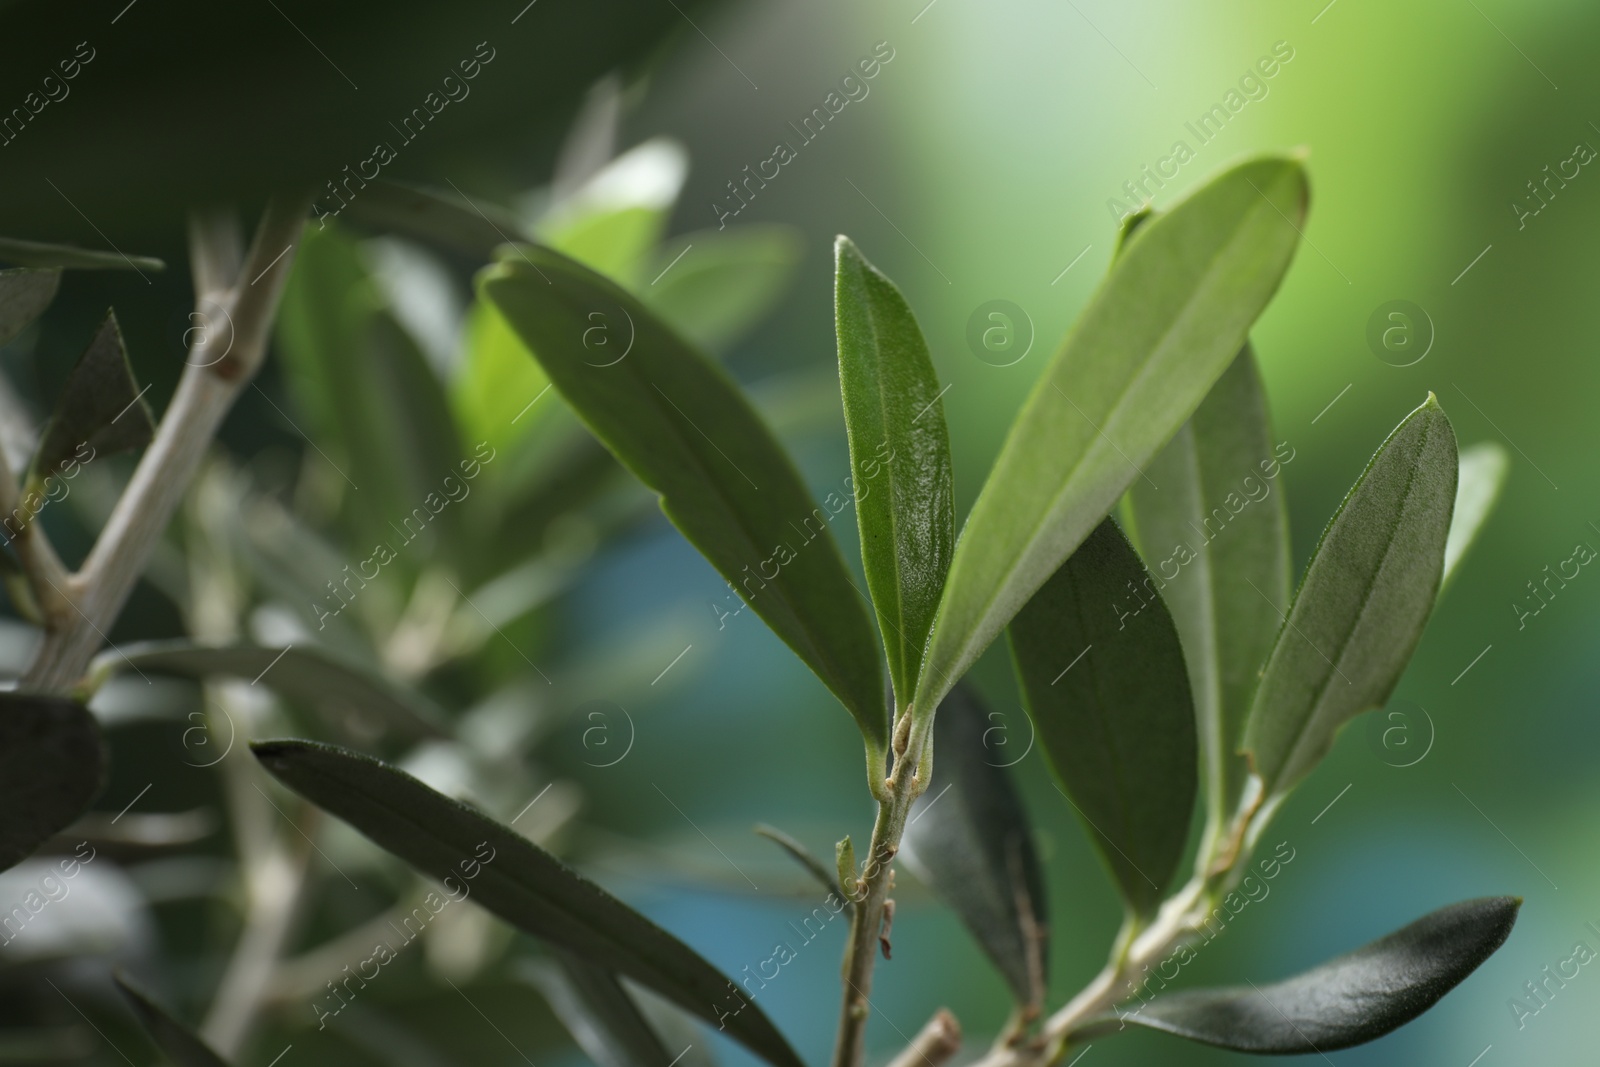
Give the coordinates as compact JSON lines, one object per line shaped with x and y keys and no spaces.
{"x":1163,"y":326}
{"x":899,"y":458}
{"x":52,"y":765}
{"x":810,"y":864}
{"x":517,"y":880}
{"x":685,"y":430}
{"x":317,"y":677}
{"x":1347,"y":1001}
{"x":1216,"y":540}
{"x":39,"y":254}
{"x":367,"y":400}
{"x":1362,"y":605}
{"x":1103,"y":676}
{"x":969,"y":838}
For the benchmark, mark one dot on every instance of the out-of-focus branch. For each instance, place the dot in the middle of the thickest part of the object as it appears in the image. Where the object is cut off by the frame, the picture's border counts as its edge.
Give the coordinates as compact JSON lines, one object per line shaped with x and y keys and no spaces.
{"x":934,"y":1044}
{"x":229,"y":343}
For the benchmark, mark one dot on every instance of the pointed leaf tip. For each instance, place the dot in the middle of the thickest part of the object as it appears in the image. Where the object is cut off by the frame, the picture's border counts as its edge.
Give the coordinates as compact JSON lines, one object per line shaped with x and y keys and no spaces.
{"x":899,"y":459}
{"x":675,"y":420}
{"x":1162,"y":327}
{"x":1347,"y":1001}
{"x":517,"y":880}
{"x":1363,"y":604}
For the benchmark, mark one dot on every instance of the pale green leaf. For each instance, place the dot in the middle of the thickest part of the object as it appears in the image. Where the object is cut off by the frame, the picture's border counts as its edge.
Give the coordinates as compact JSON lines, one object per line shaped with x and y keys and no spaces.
{"x":1362,"y":605}
{"x":1215,"y":538}
{"x":1162,"y":327}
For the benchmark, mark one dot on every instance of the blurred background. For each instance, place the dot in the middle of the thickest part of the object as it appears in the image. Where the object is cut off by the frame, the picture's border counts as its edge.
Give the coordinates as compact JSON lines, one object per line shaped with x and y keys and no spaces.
{"x":980,"y":166}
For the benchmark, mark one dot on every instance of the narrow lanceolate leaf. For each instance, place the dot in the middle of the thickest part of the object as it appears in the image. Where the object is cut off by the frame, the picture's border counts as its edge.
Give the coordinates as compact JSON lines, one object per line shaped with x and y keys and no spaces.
{"x":369,"y":401}
{"x":801,"y":855}
{"x":1348,"y":1001}
{"x":310,"y":675}
{"x":1162,"y":327}
{"x":687,"y":432}
{"x":24,"y":294}
{"x":598,"y":1012}
{"x":969,"y":838}
{"x":1216,"y":540}
{"x":52,"y":765}
{"x":1361,"y":608}
{"x":899,"y":458}
{"x":1482,"y":473}
{"x":101,"y":410}
{"x":38,"y":254}
{"x":1103,"y":676}
{"x":176,"y":1041}
{"x":518,"y":881}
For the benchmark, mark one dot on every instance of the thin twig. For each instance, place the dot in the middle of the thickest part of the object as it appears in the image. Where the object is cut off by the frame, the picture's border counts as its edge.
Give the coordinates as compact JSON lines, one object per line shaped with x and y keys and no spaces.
{"x":935,"y":1043}
{"x":228,"y":349}
{"x":907,"y":781}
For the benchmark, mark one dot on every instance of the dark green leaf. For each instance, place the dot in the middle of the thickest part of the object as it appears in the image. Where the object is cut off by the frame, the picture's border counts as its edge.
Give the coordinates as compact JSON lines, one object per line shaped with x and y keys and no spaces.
{"x":368,"y":398}
{"x":969,"y":838}
{"x":24,"y":294}
{"x":724,"y":282}
{"x":176,"y":1041}
{"x":1103,"y":676}
{"x":594,"y":1007}
{"x":687,"y":432}
{"x":1348,"y":1001}
{"x":1162,"y":327}
{"x":1362,"y":606}
{"x":899,"y":456}
{"x":798,"y":852}
{"x":1216,"y":537}
{"x":1483,"y":470}
{"x":37,"y":254}
{"x":518,"y":881}
{"x":100,"y":407}
{"x":307,"y":674}
{"x":52,"y":765}
{"x":473,"y":228}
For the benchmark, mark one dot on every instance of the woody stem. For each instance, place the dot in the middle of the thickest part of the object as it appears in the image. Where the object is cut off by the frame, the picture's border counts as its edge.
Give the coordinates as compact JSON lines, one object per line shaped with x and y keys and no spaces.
{"x":871,"y":890}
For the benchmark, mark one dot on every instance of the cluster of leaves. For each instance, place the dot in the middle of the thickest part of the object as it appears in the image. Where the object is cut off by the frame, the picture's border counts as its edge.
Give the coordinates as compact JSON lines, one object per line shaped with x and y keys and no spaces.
{"x":1208,"y":693}
{"x":284,"y":592}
